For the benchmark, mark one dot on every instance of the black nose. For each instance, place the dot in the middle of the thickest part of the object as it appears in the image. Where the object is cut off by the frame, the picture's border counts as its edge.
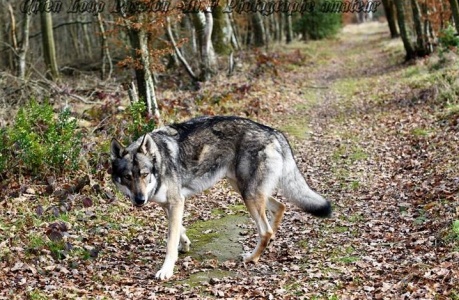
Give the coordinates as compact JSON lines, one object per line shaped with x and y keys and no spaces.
{"x":139,"y":200}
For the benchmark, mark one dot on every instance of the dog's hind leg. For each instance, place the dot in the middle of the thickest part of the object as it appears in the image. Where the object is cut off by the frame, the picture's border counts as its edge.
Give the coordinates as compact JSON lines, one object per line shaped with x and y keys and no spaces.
{"x":257,"y":209}
{"x":184,"y":244}
{"x":277,"y":210}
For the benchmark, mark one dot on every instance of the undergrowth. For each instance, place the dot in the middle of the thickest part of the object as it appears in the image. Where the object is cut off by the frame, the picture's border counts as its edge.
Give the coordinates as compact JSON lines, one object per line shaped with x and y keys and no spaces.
{"x":39,"y":142}
{"x":140,"y":123}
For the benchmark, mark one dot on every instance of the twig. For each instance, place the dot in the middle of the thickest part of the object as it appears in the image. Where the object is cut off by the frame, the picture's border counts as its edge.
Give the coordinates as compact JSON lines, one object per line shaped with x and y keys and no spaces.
{"x":316,"y":87}
{"x":99,"y":125}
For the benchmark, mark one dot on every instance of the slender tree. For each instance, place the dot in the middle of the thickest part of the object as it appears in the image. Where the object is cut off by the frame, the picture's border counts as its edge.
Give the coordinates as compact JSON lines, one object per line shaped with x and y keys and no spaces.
{"x":288,"y":28}
{"x":259,"y":31}
{"x":422,"y":47}
{"x":140,"y":27}
{"x":389,"y":10}
{"x":405,"y":33}
{"x":104,"y":49}
{"x":49,"y":49}
{"x":222,"y":31}
{"x":203,"y":23}
{"x":24,"y":47}
{"x":455,"y":11}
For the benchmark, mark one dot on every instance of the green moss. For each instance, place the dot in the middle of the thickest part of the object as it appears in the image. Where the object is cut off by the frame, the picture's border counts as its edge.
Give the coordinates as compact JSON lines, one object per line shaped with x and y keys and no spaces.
{"x":341,"y":229}
{"x":217,"y":238}
{"x":420,"y":132}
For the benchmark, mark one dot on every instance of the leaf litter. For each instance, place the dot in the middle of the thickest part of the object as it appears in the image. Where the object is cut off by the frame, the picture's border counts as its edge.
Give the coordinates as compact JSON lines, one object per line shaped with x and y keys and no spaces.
{"x":371,"y":139}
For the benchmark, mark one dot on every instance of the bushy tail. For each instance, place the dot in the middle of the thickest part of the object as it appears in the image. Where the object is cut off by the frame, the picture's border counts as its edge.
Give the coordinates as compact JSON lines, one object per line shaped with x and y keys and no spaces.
{"x":297,"y":191}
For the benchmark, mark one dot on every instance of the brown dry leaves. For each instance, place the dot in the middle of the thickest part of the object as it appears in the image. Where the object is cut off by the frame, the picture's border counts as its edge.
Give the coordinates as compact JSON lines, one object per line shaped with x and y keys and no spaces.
{"x":376,"y":145}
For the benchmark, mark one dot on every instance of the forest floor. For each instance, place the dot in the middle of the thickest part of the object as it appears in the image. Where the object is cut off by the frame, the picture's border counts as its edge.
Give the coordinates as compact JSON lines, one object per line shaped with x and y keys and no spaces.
{"x":376,"y":136}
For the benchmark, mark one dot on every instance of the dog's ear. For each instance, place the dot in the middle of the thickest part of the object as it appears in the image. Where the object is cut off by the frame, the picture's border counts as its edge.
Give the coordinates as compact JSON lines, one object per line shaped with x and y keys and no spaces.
{"x":146,"y":147}
{"x":117,"y":150}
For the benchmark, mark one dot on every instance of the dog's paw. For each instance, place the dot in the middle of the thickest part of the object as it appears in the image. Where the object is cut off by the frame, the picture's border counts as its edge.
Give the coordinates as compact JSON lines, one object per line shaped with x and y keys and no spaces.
{"x":250,"y":257}
{"x":164,"y":273}
{"x":184,"y":247}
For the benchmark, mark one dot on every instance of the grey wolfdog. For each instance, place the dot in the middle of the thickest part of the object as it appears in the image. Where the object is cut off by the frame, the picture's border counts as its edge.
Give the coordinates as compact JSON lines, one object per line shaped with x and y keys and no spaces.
{"x":180,"y":160}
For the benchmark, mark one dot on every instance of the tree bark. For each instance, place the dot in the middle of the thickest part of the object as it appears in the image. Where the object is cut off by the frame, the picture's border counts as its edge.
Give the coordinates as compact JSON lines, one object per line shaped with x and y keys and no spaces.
{"x":144,"y":76}
{"x":288,"y":28}
{"x":455,"y":11}
{"x":389,"y":10}
{"x":235,"y":37}
{"x":49,"y":49}
{"x":259,"y":34}
{"x":139,"y":38}
{"x":222,"y":31}
{"x":203,"y":23}
{"x":104,"y":50}
{"x":422,"y":45}
{"x":404,"y":31}
{"x":22,"y":51}
{"x":177,"y":50}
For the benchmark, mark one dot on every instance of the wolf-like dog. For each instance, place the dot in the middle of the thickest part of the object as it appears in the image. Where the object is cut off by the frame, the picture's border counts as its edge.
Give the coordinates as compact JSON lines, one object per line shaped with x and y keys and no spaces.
{"x":180,"y":160}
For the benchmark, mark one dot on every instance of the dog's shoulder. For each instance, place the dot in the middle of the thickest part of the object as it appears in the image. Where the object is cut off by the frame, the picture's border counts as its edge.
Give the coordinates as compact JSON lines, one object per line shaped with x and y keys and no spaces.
{"x":168,"y":131}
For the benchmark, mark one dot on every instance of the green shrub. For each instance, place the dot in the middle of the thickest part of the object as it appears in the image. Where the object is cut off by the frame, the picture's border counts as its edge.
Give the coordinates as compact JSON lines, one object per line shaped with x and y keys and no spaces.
{"x":318,"y":24}
{"x":456,"y":228}
{"x":139,"y":123}
{"x":39,"y":142}
{"x":448,"y":39}
{"x":3,"y":149}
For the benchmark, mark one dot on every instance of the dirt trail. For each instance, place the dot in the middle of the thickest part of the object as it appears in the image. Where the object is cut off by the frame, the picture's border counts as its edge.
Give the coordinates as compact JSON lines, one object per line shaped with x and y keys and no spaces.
{"x":379,"y":140}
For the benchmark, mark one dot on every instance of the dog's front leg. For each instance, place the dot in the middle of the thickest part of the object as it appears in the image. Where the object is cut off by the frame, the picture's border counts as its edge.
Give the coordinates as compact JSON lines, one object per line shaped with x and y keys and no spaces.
{"x":175,"y":224}
{"x":184,"y":244}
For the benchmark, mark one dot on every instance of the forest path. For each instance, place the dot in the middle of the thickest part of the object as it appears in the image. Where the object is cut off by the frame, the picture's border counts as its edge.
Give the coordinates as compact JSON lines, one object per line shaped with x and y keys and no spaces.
{"x":380,"y":149}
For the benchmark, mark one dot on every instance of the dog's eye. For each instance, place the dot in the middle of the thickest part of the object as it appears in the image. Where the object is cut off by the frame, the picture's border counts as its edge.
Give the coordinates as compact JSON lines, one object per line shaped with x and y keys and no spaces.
{"x":144,"y":175}
{"x":127,"y":177}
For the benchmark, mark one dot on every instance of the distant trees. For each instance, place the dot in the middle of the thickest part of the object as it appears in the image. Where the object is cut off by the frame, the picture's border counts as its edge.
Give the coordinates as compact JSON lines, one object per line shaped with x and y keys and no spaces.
{"x":50,"y":39}
{"x":420,"y":22}
{"x":318,"y":24}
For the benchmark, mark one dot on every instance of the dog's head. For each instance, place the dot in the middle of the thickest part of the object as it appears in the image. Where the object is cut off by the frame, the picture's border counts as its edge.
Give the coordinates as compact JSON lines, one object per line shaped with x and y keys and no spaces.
{"x":135,"y":169}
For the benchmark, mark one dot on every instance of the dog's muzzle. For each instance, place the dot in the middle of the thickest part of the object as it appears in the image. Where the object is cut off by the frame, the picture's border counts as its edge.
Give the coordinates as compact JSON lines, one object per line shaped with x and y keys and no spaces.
{"x":139,"y":200}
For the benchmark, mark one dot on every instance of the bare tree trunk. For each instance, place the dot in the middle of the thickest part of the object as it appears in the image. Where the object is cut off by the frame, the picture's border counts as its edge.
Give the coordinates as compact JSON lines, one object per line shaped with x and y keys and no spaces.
{"x":187,"y":23}
{"x":404,"y":31}
{"x":235,"y":36}
{"x":13,"y":34}
{"x":276,"y":28}
{"x":360,"y":14}
{"x":222,"y":31}
{"x":144,"y":76}
{"x":422,"y":45}
{"x":280,"y":17}
{"x":178,"y":52}
{"x":105,"y":51}
{"x":288,"y":28}
{"x":258,"y":29}
{"x":207,"y":55}
{"x":22,"y":51}
{"x":266,"y":25}
{"x":455,"y":11}
{"x":203,"y":23}
{"x":389,"y":10}
{"x":49,"y":49}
